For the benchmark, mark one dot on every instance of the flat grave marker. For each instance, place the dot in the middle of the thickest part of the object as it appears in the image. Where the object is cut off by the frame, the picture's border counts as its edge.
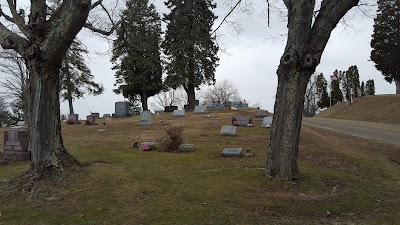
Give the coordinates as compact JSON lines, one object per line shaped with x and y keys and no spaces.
{"x":228,"y":130}
{"x":232,"y":152}
{"x":186,"y":147}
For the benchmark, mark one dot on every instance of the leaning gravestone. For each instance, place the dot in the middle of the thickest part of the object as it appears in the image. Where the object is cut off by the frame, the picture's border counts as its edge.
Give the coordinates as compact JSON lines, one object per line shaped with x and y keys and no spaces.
{"x":186,"y":147}
{"x":261,"y":113}
{"x":228,"y":130}
{"x":241,"y":121}
{"x":232,"y":152}
{"x":267,"y":122}
{"x":178,"y":113}
{"x":200,"y":109}
{"x":16,"y":143}
{"x":121,"y":109}
{"x":145,"y":118}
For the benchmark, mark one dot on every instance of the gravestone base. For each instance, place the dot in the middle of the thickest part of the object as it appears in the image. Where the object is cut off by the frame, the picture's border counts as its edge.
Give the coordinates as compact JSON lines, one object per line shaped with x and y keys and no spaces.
{"x":16,"y":156}
{"x":186,"y":148}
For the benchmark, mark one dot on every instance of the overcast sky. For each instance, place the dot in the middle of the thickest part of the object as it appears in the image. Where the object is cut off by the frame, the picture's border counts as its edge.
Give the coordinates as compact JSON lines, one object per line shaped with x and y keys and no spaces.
{"x":250,"y":59}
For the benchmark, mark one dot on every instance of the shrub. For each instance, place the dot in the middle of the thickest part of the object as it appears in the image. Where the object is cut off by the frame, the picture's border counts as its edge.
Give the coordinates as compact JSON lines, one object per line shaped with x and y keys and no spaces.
{"x":171,"y":141}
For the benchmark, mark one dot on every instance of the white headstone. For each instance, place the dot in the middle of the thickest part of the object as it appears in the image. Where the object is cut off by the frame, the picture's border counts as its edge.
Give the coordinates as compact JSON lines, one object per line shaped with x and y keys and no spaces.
{"x":145,"y":118}
{"x":178,"y":113}
{"x":267,"y":121}
{"x":228,"y":130}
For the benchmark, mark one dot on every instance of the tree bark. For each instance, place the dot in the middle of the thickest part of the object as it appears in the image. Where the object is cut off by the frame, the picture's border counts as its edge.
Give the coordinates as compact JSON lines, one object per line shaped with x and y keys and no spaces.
{"x":144,"y":97}
{"x":306,"y":42}
{"x":190,"y":91}
{"x":45,"y":142}
{"x":397,"y":83}
{"x":69,"y":89}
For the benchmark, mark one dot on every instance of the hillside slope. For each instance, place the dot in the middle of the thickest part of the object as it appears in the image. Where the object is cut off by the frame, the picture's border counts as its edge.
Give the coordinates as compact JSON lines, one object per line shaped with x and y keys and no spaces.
{"x":376,"y":108}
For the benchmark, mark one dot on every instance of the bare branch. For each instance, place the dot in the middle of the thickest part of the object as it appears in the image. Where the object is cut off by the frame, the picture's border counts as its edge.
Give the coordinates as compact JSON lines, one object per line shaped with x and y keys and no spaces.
{"x":100,"y":31}
{"x":223,"y":20}
{"x":17,"y":18}
{"x":94,"y":5}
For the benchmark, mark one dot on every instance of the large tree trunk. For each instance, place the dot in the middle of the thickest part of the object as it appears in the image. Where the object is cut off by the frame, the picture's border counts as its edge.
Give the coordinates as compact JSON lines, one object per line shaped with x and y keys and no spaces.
{"x":397,"y":83}
{"x":190,"y":91}
{"x":284,"y":142}
{"x":144,"y":97}
{"x":45,"y":142}
{"x":306,"y":42}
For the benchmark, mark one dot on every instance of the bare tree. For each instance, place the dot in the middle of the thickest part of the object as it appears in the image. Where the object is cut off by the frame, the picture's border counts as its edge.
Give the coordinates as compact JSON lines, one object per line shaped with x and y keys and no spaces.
{"x":13,"y":80}
{"x":221,"y":92}
{"x":176,"y":97}
{"x":311,"y":97}
{"x":308,"y":34}
{"x":42,"y":40}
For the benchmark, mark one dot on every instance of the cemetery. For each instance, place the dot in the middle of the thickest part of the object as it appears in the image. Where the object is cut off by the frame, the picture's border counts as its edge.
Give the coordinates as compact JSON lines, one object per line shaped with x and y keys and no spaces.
{"x":215,"y":175}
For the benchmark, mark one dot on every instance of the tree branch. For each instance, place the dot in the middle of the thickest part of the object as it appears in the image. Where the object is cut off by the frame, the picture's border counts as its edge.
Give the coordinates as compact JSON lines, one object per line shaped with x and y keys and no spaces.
{"x":17,"y":18}
{"x":94,"y":5}
{"x":100,"y":31}
{"x":10,"y":40}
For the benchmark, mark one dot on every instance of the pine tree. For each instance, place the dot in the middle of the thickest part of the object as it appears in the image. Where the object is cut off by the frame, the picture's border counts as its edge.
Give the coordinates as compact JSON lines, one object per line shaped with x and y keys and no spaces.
{"x":362,"y":88}
{"x":190,"y":49}
{"x":354,"y":79}
{"x":76,"y":76}
{"x":385,"y":41}
{"x":370,"y":87}
{"x":136,"y":53}
{"x":336,"y":92}
{"x":322,"y":92}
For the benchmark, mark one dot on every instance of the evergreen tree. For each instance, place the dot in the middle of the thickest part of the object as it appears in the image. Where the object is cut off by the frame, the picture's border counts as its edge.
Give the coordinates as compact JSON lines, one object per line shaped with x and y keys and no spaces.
{"x":370,"y":87}
{"x":385,"y":41}
{"x":76,"y":76}
{"x":354,"y":79}
{"x":322,"y":93}
{"x":136,"y":53}
{"x":362,"y":88}
{"x":336,"y":92}
{"x":190,"y":49}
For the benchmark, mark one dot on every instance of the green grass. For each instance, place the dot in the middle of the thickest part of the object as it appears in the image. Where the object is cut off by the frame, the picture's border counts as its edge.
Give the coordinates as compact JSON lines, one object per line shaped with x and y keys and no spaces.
{"x":340,"y":183}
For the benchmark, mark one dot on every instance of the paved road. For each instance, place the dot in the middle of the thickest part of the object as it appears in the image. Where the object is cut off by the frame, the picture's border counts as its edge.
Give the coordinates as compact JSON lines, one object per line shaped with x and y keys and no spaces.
{"x":387,"y":133}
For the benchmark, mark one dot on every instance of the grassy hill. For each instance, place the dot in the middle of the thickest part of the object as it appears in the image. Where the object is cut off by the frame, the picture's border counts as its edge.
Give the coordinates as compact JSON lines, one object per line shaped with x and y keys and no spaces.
{"x":376,"y":108}
{"x":340,"y":183}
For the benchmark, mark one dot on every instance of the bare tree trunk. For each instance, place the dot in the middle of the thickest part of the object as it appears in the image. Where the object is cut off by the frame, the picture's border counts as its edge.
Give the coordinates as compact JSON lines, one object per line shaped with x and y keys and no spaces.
{"x":69,"y":89}
{"x":45,"y":143}
{"x":191,"y":96}
{"x":307,"y":38}
{"x":284,"y":142}
{"x":144,"y":99}
{"x":397,"y":83}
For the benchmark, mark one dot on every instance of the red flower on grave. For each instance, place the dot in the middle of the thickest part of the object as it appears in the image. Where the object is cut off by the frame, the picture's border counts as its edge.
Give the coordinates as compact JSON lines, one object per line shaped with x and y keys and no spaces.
{"x":69,"y":121}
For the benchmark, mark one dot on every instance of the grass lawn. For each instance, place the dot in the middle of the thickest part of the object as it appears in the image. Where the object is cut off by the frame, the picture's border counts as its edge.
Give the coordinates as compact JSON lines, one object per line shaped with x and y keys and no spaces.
{"x":344,"y":180}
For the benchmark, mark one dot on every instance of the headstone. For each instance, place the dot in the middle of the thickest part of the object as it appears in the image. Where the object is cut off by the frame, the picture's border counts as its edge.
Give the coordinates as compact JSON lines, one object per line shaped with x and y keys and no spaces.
{"x":95,"y":115}
{"x":170,"y":108}
{"x":91,"y":120}
{"x":228,"y":130}
{"x":261,"y":113}
{"x":186,"y":147}
{"x":16,"y":143}
{"x":178,"y":113}
{"x":150,"y":145}
{"x":106,"y":116}
{"x":20,"y":123}
{"x":200,"y":109}
{"x":267,"y":122}
{"x":121,"y":109}
{"x":73,"y":119}
{"x":241,"y":121}
{"x":232,"y":152}
{"x":228,"y":104}
{"x":145,"y":118}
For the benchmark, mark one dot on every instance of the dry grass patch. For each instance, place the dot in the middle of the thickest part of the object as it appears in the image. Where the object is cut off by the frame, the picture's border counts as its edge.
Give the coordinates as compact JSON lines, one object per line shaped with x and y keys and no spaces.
{"x":376,"y":108}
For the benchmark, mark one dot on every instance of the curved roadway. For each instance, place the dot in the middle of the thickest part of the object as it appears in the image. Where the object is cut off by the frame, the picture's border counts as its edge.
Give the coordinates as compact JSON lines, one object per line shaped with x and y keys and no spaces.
{"x":383,"y":132}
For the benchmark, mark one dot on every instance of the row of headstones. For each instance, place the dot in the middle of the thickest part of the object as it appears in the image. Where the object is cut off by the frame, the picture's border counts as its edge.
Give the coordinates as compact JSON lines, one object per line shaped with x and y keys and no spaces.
{"x":230,"y":130}
{"x":226,"y":152}
{"x":90,"y":120}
